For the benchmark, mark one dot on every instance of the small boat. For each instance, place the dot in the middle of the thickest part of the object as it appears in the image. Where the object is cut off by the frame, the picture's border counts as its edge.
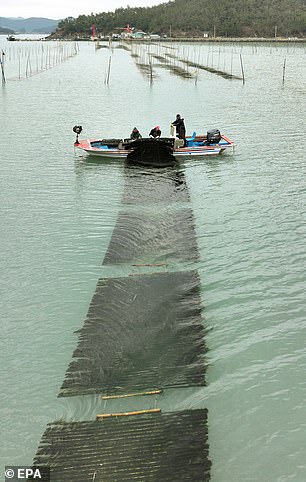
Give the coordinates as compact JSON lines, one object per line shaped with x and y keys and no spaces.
{"x":212,"y":143}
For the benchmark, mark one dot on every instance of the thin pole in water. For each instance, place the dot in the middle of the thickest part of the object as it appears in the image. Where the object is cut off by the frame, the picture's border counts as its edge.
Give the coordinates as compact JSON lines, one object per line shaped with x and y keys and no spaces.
{"x":27,"y":64}
{"x":243,"y":79}
{"x":109,"y":66}
{"x":2,"y":66}
{"x":151,"y":69}
{"x":196,"y":76}
{"x":284,"y":69}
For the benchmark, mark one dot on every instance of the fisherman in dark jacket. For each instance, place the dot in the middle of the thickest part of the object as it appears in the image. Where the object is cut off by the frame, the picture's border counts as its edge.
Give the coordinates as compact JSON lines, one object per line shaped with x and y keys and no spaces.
{"x":135,"y":134}
{"x":180,"y":128}
{"x":155,"y":132}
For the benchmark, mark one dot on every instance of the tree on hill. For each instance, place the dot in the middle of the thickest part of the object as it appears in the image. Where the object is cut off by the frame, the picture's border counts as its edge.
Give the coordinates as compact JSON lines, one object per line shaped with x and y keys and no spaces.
{"x":231,"y":18}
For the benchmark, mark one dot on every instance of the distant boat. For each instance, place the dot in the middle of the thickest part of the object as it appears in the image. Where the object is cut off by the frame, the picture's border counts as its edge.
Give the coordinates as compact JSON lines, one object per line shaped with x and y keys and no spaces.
{"x":11,"y":38}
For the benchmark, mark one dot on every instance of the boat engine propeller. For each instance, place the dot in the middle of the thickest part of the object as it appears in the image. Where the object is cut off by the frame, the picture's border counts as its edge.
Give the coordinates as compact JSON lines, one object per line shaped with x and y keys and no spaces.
{"x":77,"y":130}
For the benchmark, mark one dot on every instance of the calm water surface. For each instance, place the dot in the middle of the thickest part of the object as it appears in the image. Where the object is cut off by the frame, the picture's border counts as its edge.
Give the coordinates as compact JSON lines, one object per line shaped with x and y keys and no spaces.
{"x":58,"y":211}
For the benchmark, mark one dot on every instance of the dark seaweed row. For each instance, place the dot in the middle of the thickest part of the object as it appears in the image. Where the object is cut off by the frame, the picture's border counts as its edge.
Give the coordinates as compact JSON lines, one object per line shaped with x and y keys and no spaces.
{"x":142,"y":332}
{"x":162,"y":447}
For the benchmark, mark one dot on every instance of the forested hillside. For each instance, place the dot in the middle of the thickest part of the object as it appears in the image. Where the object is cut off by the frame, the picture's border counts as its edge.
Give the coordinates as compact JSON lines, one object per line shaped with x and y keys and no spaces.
{"x":231,"y":18}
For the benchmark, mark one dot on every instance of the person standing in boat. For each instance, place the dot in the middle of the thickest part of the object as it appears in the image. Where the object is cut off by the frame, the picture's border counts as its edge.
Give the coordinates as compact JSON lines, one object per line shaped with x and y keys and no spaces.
{"x":135,"y":134}
{"x":180,"y":128}
{"x":155,"y":132}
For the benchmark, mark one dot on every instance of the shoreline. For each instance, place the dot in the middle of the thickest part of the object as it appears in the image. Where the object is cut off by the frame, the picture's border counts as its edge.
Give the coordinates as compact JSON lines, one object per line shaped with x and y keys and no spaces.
{"x":287,"y":40}
{"x":193,"y":40}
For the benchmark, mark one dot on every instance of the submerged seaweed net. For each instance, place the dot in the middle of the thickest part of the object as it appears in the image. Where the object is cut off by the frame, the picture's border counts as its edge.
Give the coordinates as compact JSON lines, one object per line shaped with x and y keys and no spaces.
{"x":146,"y":331}
{"x":225,"y":75}
{"x":151,"y":186}
{"x":141,"y":333}
{"x":157,"y":448}
{"x":162,"y":228}
{"x":153,"y":237}
{"x":199,"y":66}
{"x":177,"y":70}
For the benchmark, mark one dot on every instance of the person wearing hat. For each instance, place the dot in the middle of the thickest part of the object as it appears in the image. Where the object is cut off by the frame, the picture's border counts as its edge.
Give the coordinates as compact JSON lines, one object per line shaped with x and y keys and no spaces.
{"x":180,"y":128}
{"x":155,"y":132}
{"x":135,"y":134}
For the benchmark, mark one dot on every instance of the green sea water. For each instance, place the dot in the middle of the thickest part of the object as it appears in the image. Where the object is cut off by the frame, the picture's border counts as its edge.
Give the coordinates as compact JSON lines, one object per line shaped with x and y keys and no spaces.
{"x":58,"y":211}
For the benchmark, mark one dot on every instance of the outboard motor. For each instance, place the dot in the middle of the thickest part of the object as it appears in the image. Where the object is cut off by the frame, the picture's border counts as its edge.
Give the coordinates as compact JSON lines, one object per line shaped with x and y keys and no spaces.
{"x":213,"y":136}
{"x":77,"y":130}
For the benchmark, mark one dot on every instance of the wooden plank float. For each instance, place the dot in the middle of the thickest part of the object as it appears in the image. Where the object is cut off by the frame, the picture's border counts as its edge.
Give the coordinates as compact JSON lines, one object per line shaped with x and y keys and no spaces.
{"x":151,"y":264}
{"x":127,"y":414}
{"x":139,"y":394}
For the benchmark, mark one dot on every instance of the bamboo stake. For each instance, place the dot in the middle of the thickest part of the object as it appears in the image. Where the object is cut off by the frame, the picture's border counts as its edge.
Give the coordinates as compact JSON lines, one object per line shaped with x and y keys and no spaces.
{"x":26,"y":73}
{"x":127,"y":414}
{"x":42,"y":58}
{"x":243,"y":79}
{"x":109,"y":66}
{"x":2,"y":66}
{"x":30,"y":65}
{"x":149,"y":264}
{"x":140,"y":394}
{"x":196,"y":76}
{"x":284,"y":69}
{"x":150,"y":65}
